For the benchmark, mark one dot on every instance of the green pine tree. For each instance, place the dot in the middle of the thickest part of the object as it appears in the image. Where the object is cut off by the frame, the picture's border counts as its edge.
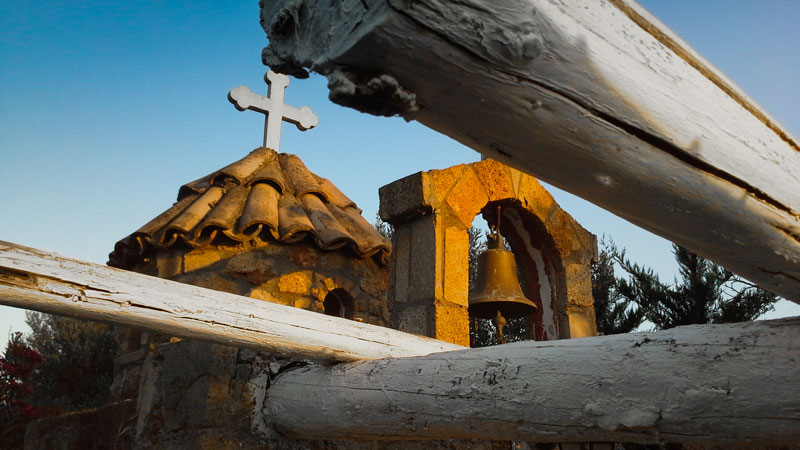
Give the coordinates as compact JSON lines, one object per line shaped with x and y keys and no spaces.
{"x":614,"y":313}
{"x":704,"y":293}
{"x":384,"y":228}
{"x":78,"y":361}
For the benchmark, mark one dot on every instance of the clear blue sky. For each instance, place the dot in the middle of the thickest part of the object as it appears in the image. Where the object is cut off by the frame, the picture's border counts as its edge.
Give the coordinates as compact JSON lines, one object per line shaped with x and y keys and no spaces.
{"x":107,"y":107}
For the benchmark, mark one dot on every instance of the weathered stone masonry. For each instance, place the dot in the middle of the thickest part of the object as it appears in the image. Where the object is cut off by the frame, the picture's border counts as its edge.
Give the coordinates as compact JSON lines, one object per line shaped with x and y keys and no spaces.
{"x":433,"y":210}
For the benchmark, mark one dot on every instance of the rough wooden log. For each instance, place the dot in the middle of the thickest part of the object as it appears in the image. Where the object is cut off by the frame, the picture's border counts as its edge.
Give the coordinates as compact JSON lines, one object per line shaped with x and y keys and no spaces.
{"x":43,"y":281}
{"x":718,"y":384}
{"x":594,"y":96}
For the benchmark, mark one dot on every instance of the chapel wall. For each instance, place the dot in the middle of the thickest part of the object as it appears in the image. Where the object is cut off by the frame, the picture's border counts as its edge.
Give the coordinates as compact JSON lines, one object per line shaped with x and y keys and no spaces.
{"x":299,"y":275}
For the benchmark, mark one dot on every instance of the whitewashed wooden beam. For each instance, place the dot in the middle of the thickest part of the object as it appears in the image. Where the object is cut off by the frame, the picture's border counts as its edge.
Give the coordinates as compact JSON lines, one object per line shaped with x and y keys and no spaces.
{"x":721,"y":384}
{"x":594,"y":96}
{"x":48,"y":282}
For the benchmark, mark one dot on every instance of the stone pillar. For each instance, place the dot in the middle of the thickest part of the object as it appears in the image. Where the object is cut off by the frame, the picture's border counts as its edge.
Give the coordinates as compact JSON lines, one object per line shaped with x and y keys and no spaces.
{"x":582,"y":250}
{"x":430,"y":262}
{"x":430,"y":291}
{"x":580,"y":309}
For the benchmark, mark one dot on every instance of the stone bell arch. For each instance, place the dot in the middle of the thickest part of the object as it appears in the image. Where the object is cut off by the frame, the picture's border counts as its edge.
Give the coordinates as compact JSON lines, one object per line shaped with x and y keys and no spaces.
{"x":432,"y":211}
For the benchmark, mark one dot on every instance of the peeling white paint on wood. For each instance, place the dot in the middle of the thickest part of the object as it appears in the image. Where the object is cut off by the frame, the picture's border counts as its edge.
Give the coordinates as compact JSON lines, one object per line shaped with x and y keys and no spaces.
{"x":48,"y":282}
{"x":735,"y":383}
{"x":594,"y":96}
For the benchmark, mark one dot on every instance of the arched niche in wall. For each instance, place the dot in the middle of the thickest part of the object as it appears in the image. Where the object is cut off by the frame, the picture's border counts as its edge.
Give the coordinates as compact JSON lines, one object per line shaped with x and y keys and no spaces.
{"x":338,"y":303}
{"x":540,"y":270}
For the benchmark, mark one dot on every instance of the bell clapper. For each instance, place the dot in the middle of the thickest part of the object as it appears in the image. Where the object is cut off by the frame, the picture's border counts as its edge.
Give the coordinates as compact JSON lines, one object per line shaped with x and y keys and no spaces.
{"x":495,"y":230}
{"x":499,"y":323}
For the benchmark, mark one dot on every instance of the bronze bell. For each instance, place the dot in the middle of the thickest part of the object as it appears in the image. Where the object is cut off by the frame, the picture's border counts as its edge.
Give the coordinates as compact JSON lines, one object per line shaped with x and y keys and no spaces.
{"x":497,"y":286}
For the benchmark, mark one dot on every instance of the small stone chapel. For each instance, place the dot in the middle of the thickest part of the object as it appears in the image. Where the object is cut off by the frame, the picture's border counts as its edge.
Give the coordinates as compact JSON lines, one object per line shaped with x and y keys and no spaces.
{"x":268,"y":228}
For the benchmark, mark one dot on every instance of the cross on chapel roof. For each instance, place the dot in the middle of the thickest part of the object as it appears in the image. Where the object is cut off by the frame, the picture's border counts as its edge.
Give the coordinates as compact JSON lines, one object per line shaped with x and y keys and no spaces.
{"x":273,"y":107}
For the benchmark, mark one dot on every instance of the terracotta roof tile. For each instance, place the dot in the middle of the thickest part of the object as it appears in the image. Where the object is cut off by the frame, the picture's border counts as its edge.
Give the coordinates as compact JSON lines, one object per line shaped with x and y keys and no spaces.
{"x":271,"y":173}
{"x":335,"y":195}
{"x":292,"y":218}
{"x":303,"y":182}
{"x":264,"y":196}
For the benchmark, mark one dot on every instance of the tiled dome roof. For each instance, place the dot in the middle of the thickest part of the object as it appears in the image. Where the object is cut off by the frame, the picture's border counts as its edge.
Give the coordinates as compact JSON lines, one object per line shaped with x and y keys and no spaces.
{"x":264,"y":196}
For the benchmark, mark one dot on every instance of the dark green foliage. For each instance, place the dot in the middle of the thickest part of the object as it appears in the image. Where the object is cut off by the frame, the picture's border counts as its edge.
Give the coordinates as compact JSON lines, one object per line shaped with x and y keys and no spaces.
{"x":384,"y":228}
{"x":482,"y":332}
{"x":614,"y":313}
{"x":78,"y":364}
{"x":705,"y":292}
{"x":477,"y":245}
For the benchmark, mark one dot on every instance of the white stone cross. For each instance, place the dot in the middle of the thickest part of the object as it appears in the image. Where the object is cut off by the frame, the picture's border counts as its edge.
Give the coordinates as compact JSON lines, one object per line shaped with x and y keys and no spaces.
{"x":272,"y":105}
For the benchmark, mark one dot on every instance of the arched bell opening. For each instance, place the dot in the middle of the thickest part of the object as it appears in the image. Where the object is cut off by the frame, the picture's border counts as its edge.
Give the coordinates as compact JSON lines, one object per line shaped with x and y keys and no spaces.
{"x":483,"y":329}
{"x":539,"y":274}
{"x":500,"y":312}
{"x":338,"y":303}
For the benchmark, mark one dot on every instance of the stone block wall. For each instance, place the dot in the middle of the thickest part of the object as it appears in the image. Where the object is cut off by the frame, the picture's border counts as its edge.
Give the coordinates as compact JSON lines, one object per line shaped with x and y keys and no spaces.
{"x":198,"y":395}
{"x":298,"y":274}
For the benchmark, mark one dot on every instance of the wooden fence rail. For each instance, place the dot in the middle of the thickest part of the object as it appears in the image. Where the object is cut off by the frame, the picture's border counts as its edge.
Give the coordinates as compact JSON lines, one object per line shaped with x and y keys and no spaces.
{"x":43,"y":281}
{"x":733,"y":384}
